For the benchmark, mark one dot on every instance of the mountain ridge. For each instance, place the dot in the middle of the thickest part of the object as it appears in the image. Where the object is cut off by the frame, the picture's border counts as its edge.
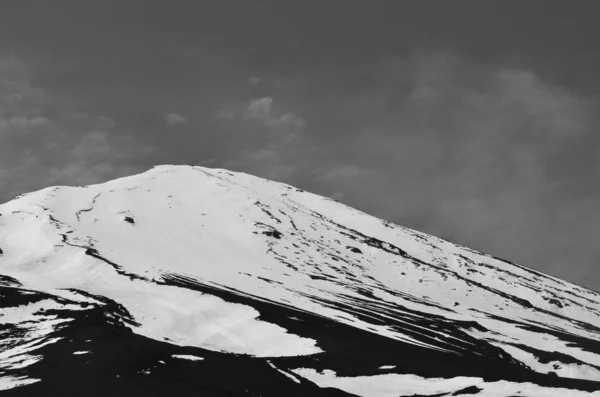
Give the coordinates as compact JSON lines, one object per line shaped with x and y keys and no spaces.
{"x":189,"y":253}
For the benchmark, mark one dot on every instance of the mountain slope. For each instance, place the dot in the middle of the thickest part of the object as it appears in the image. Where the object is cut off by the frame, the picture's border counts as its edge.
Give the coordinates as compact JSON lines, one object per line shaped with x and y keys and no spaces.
{"x":248,"y":273}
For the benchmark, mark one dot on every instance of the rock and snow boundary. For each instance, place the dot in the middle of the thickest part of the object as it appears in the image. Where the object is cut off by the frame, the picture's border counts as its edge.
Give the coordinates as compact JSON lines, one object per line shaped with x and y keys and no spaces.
{"x":190,"y":254}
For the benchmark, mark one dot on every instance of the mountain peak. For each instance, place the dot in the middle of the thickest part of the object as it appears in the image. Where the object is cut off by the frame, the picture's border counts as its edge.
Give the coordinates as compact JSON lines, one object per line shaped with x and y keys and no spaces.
{"x":225,"y":264}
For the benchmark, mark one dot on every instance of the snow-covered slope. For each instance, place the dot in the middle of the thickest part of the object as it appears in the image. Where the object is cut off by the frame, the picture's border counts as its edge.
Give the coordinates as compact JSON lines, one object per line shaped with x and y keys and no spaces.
{"x":230,"y":265}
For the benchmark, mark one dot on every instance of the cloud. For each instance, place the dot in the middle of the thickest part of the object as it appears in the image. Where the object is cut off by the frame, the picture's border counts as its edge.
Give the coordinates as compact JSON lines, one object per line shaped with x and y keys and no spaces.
{"x":22,"y":125}
{"x":101,"y":146}
{"x":98,"y":156}
{"x":175,"y":118}
{"x":93,"y":144}
{"x":225,"y":115}
{"x":103,"y":123}
{"x":276,"y":158}
{"x":21,"y":104}
{"x":262,"y":110}
{"x":44,"y":141}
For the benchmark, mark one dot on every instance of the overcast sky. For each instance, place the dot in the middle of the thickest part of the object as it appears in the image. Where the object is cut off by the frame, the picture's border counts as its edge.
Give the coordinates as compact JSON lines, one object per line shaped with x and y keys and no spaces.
{"x":476,"y":121}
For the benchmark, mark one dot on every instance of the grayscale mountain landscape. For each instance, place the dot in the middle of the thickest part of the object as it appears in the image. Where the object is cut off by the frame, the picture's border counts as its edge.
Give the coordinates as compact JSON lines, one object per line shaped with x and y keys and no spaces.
{"x":282,"y":198}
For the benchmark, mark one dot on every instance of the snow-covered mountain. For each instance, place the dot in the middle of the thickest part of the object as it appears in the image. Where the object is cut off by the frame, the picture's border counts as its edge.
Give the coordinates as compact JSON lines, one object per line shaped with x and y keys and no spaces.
{"x":189,"y":281}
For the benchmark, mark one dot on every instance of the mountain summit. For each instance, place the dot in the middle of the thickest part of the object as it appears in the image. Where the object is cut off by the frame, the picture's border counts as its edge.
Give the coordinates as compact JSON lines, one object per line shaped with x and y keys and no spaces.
{"x":186,"y":281}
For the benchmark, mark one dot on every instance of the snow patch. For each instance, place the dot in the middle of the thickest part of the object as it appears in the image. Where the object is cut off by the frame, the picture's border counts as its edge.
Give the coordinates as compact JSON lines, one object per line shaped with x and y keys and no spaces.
{"x":292,"y":377}
{"x":10,"y":382}
{"x":393,"y":385}
{"x":187,"y":357}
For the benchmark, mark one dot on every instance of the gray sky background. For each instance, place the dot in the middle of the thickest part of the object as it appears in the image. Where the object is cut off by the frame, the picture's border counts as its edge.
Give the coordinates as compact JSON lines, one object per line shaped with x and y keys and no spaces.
{"x":472,"y":120}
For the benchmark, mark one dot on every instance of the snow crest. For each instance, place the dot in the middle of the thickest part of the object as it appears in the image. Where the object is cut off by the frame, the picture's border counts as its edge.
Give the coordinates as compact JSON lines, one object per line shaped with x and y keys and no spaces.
{"x":135,"y":239}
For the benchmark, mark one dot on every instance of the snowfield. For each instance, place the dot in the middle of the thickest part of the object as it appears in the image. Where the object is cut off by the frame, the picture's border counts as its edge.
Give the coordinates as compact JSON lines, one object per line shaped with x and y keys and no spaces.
{"x":223,"y":262}
{"x":390,"y":385}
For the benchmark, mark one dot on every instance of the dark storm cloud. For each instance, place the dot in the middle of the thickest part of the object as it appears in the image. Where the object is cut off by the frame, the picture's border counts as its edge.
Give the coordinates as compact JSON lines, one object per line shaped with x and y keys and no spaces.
{"x":471,"y":120}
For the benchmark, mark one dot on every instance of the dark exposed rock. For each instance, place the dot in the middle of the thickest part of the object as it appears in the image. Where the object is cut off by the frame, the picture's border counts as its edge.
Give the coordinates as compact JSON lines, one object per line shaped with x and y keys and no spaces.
{"x":273,"y":233}
{"x":554,"y":302}
{"x":467,"y":390}
{"x":354,"y":249}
